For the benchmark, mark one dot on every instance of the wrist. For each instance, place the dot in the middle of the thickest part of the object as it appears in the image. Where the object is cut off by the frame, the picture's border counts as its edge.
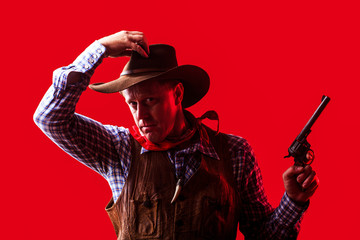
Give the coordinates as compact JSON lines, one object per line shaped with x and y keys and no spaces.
{"x":297,"y":202}
{"x":106,"y":50}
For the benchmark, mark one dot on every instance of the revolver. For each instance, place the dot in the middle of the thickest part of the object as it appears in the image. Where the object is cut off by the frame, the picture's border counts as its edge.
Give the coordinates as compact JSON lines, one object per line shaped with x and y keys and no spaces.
{"x":300,"y":149}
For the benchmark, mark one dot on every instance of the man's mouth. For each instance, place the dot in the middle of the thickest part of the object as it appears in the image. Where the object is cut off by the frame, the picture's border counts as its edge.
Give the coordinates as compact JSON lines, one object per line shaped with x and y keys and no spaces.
{"x":148,"y":128}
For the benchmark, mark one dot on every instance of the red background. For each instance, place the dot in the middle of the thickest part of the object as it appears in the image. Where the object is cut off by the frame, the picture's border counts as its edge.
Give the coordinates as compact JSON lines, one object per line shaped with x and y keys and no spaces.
{"x":269,"y":62}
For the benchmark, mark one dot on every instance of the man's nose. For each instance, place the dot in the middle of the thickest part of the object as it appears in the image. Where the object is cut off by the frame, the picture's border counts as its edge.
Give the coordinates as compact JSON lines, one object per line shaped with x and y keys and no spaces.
{"x":142,"y":112}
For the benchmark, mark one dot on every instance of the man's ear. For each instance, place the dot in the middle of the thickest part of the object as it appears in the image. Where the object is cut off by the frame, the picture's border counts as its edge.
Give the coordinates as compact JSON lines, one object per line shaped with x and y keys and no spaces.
{"x":179,"y":93}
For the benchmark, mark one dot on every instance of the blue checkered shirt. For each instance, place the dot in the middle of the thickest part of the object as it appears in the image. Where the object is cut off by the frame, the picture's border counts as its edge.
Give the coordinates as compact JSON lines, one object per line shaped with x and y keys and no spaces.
{"x":106,"y":150}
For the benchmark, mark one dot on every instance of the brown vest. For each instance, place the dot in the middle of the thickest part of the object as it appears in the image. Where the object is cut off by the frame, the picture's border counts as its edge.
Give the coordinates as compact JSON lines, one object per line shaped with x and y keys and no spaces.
{"x":207,"y":208}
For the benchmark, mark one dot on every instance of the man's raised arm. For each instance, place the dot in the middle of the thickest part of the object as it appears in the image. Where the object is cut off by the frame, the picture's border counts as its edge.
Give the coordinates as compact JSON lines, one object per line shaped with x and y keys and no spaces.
{"x":90,"y":142}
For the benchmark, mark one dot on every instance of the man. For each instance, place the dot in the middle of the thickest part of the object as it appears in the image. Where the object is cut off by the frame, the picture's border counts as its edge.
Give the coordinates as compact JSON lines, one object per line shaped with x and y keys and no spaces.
{"x":171,"y":176}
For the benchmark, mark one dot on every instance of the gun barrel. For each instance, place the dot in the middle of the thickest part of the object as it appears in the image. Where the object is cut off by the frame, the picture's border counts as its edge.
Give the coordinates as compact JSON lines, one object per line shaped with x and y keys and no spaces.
{"x":324,"y":101}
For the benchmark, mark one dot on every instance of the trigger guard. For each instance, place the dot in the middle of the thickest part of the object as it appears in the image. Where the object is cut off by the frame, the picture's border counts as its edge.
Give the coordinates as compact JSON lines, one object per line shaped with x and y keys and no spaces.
{"x":310,"y":156}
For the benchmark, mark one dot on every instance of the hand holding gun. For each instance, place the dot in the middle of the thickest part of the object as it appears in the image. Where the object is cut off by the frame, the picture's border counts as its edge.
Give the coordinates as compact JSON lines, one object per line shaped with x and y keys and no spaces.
{"x":300,"y":148}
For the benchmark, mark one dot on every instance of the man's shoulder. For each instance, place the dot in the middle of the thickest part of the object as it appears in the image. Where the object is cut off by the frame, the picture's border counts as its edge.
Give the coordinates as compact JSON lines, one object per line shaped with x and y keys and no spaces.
{"x":234,"y":142}
{"x":237,"y":143}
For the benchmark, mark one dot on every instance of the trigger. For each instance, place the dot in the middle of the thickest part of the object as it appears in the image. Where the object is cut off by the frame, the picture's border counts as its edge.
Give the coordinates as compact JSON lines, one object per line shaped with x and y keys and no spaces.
{"x":310,"y":156}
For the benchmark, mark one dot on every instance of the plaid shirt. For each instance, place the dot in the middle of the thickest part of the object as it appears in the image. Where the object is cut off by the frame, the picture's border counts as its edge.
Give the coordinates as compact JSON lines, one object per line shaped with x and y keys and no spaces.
{"x":106,"y":150}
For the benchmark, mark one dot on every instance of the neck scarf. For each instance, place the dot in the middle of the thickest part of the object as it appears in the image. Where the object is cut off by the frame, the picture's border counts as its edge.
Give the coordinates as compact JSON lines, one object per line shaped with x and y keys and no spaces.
{"x":196,"y":126}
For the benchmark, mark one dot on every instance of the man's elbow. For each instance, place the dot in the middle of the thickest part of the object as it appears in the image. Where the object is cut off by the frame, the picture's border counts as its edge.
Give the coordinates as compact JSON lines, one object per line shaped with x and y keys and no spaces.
{"x":43,"y":120}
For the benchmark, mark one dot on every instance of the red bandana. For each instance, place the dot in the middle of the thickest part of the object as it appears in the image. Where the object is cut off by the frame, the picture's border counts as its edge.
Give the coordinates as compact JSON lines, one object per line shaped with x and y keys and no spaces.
{"x":167,"y":143}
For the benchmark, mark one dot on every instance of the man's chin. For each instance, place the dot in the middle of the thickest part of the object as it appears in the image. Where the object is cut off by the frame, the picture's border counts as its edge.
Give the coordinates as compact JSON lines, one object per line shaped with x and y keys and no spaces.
{"x":154,"y":138}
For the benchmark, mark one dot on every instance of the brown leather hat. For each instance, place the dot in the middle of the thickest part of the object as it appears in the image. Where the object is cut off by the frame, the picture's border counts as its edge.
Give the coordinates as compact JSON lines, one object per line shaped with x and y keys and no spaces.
{"x":161,"y":64}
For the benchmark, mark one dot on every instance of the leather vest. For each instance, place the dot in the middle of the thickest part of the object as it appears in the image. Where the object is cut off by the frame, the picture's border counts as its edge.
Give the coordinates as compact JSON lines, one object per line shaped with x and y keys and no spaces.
{"x":207,"y":208}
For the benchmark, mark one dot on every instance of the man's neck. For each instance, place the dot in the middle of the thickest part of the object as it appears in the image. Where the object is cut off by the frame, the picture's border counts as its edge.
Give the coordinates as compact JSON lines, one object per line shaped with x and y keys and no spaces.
{"x":180,"y":127}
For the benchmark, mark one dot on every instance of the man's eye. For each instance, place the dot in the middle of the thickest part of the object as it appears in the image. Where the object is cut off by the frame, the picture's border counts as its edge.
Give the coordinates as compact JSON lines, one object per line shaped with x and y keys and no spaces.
{"x":132,"y":104}
{"x":149,"y":100}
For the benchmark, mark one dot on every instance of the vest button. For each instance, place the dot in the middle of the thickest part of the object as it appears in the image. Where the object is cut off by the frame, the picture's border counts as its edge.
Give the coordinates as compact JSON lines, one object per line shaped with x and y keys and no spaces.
{"x":179,"y":223}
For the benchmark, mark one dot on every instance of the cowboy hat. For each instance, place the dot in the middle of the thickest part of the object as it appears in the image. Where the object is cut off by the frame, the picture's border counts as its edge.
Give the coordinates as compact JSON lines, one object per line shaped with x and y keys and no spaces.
{"x":162,"y":65}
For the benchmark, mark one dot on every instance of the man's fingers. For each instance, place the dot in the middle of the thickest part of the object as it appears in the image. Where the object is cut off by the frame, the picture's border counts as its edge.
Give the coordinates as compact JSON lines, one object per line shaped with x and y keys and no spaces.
{"x":307,"y":179}
{"x":139,"y":43}
{"x":135,"y":32}
{"x":305,"y":174}
{"x":310,"y":181}
{"x":139,"y":48}
{"x":309,"y":191}
{"x":300,"y":182}
{"x":119,"y":43}
{"x":292,"y":171}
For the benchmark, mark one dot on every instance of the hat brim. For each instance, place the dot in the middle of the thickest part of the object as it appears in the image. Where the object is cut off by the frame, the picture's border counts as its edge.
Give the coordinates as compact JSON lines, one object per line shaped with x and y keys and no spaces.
{"x":195,"y":80}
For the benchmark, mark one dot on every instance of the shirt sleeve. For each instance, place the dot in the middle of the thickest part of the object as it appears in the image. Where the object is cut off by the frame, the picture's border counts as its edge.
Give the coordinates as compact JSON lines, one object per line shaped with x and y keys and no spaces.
{"x":259,"y":220}
{"x":98,"y":146}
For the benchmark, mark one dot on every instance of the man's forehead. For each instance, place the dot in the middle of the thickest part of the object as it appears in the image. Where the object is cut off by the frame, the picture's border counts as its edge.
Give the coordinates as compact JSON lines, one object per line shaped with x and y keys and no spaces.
{"x":149,"y":87}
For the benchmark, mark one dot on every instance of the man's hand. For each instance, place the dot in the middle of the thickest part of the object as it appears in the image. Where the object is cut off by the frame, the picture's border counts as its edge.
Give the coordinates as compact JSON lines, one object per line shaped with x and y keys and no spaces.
{"x":300,"y":183}
{"x":123,"y":42}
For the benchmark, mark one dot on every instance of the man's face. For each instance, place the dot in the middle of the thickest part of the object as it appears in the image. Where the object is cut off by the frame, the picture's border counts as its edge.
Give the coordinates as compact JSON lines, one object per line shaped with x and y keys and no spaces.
{"x":155,"y":109}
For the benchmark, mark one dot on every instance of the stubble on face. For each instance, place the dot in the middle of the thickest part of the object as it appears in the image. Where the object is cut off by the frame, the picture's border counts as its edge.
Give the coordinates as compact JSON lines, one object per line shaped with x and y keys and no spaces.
{"x":154,"y":109}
